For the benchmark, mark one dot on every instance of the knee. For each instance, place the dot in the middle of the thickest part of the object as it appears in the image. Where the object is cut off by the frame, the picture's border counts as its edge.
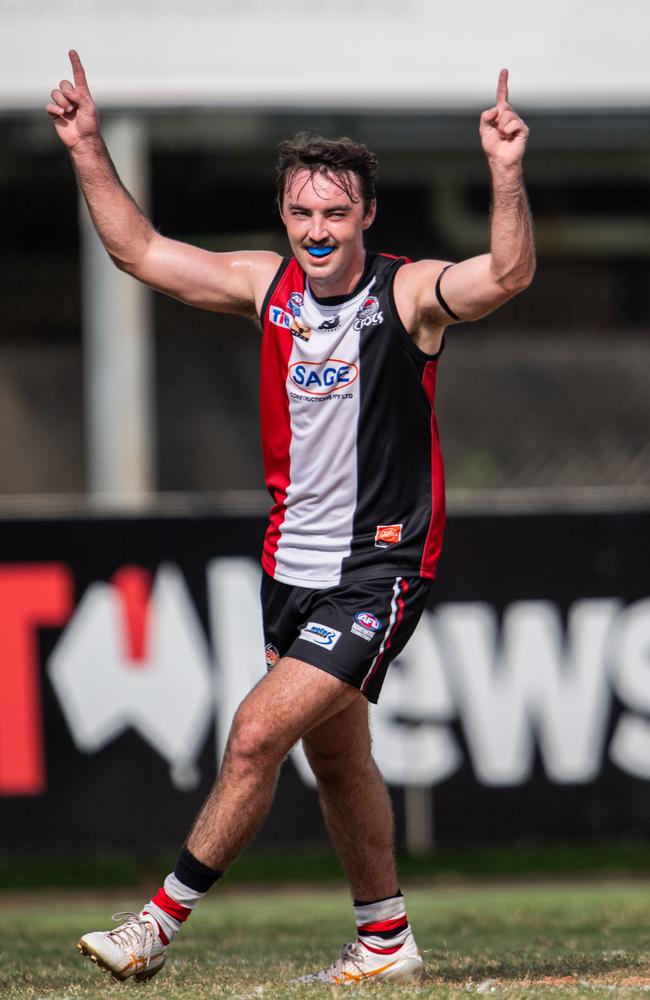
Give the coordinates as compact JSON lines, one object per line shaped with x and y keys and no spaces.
{"x":252,"y":742}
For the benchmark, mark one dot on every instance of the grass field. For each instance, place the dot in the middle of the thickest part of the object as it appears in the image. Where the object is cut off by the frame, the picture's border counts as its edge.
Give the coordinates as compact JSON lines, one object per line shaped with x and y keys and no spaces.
{"x":551,"y":940}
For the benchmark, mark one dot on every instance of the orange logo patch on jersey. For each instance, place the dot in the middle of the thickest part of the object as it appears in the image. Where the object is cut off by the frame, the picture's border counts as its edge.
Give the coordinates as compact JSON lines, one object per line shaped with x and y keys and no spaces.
{"x":388,"y":534}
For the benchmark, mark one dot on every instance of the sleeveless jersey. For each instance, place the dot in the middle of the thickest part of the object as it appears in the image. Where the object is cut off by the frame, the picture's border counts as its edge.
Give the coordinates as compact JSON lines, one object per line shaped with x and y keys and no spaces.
{"x":349,"y":436}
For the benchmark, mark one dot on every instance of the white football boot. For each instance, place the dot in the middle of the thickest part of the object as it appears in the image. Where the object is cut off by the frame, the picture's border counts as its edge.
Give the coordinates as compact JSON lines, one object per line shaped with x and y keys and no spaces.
{"x":132,"y":949}
{"x":357,"y":964}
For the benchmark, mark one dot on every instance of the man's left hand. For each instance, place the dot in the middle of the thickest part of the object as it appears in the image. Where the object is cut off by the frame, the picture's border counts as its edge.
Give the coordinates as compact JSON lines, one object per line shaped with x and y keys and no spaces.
{"x":503,"y":133}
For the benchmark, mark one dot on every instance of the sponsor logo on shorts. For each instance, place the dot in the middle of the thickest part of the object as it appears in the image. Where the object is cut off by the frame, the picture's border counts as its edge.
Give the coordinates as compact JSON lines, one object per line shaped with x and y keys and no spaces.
{"x":320,"y":378}
{"x":388,"y":534}
{"x":295,"y":303}
{"x":272,"y":655}
{"x":320,"y":635}
{"x":368,"y":314}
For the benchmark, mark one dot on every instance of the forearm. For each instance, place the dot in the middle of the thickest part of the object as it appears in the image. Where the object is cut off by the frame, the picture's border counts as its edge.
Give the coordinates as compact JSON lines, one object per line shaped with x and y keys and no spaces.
{"x":121,"y":226}
{"x":512,"y":242}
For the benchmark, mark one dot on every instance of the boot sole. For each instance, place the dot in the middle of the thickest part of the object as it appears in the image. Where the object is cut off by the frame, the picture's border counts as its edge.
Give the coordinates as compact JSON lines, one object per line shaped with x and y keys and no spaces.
{"x":140,"y":977}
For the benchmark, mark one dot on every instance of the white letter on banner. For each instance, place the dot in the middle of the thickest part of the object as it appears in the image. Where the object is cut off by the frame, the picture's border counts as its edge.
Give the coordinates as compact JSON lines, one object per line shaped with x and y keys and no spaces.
{"x":412,"y":745}
{"x":530,"y":681}
{"x":630,"y":746}
{"x":491,"y":703}
{"x":566,"y":687}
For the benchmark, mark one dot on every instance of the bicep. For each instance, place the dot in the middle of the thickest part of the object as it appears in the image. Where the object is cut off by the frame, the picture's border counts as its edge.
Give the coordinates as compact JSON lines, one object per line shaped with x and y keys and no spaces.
{"x":220,"y":282}
{"x":469,"y":290}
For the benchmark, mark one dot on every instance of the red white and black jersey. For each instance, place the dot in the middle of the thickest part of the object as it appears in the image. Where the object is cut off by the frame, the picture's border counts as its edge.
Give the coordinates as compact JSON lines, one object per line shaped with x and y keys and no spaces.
{"x":349,"y":436}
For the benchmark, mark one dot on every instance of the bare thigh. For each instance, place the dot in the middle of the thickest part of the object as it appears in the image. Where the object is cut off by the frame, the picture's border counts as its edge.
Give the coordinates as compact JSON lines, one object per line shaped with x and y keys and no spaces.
{"x":292,"y":699}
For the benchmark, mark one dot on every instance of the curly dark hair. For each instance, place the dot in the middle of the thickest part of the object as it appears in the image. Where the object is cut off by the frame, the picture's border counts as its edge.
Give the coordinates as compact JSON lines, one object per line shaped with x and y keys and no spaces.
{"x":341,"y":157}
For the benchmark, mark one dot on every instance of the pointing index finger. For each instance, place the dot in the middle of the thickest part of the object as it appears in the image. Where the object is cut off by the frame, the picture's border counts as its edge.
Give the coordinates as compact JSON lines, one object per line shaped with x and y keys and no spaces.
{"x":77,"y":69}
{"x":502,"y":87}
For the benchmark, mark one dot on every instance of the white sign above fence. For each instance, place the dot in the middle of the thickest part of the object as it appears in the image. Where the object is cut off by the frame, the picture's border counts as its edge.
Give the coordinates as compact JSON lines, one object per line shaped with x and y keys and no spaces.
{"x":338,"y":54}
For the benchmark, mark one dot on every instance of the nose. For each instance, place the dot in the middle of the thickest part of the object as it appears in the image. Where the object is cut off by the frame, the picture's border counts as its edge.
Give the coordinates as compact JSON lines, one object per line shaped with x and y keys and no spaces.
{"x":317,"y":228}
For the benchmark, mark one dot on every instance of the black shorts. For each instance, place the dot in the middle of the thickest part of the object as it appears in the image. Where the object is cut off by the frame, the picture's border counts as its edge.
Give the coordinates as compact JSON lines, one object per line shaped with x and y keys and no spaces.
{"x":352,"y":631}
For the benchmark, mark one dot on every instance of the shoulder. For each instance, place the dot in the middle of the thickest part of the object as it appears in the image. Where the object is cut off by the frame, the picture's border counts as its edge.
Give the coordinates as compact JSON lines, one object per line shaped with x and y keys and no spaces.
{"x":417,"y":273}
{"x":261,"y":267}
{"x":260,"y":264}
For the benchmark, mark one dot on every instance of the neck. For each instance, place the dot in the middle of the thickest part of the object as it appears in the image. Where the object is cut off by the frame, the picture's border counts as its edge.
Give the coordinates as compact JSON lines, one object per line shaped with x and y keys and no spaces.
{"x":340,"y":284}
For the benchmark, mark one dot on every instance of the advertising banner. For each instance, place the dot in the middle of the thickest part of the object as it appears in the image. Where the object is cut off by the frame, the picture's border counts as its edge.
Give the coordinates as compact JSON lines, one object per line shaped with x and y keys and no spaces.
{"x":522,"y":703}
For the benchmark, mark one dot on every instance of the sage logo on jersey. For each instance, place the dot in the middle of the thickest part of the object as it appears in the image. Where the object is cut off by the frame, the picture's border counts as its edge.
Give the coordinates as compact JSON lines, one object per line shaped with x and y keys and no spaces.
{"x":368,"y":314}
{"x":320,"y":635}
{"x":321,"y":378}
{"x":279,"y":317}
{"x":295,"y":303}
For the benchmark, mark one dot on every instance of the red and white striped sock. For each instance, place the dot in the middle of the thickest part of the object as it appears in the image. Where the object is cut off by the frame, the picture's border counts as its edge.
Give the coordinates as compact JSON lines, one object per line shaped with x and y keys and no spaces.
{"x":382,"y":926}
{"x":181,"y":891}
{"x":171,"y":906}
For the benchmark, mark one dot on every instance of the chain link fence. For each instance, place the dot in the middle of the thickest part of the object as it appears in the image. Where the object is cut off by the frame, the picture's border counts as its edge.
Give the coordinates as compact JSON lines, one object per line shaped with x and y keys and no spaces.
{"x":549,"y":393}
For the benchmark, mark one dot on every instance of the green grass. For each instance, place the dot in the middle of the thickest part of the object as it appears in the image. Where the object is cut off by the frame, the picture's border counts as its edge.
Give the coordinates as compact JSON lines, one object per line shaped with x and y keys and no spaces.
{"x":625,"y":856}
{"x":512,"y":942}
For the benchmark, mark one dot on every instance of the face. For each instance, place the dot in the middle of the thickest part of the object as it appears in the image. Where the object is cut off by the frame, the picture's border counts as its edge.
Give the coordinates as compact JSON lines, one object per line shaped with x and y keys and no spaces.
{"x":325,"y":229}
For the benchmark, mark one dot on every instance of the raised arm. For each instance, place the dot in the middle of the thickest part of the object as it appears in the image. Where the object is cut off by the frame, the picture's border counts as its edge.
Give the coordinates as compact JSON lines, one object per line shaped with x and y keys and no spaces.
{"x":430,"y":294}
{"x":223,"y":282}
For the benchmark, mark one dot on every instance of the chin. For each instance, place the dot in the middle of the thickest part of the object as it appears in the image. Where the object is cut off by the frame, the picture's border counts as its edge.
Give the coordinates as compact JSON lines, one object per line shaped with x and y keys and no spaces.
{"x":322,"y":265}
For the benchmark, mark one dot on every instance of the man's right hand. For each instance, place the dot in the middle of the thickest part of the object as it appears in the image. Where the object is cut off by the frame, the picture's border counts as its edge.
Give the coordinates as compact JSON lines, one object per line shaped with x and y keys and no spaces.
{"x":72,"y":109}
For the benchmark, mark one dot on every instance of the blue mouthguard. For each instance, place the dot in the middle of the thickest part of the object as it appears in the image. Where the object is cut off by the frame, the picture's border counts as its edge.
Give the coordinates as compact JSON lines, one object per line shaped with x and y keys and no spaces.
{"x":319,"y":251}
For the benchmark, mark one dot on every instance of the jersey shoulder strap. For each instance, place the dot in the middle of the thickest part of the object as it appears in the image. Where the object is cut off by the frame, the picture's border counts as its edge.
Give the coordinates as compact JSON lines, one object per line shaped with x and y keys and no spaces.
{"x":289,"y":279}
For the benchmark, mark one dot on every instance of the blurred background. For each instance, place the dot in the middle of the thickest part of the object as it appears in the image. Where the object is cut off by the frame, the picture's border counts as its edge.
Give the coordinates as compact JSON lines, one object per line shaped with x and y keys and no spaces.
{"x":130,"y":422}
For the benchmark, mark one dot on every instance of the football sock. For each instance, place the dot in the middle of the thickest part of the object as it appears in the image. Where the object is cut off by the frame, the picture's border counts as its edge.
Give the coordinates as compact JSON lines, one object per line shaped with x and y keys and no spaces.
{"x":179,"y":894}
{"x":382,"y":926}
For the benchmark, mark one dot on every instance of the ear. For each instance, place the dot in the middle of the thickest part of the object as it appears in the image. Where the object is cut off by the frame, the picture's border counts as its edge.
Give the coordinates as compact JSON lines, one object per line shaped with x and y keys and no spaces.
{"x":370,"y":215}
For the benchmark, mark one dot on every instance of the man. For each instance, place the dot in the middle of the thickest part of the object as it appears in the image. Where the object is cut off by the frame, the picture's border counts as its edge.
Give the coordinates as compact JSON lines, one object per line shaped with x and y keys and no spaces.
{"x":349,"y":355}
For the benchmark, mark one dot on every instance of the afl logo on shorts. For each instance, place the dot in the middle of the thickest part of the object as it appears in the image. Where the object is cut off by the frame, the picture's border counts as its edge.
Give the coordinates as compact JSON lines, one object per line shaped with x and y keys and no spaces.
{"x":368,"y":620}
{"x":368,"y":314}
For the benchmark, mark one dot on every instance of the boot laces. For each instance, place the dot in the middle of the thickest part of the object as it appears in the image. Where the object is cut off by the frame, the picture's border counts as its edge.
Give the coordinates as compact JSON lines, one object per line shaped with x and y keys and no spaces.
{"x":351,"y":955}
{"x":133,"y":933}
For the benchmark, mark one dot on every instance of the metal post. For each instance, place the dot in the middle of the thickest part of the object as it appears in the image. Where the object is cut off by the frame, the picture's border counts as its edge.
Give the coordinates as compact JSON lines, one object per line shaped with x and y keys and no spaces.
{"x":418,"y":808}
{"x":118,"y":350}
